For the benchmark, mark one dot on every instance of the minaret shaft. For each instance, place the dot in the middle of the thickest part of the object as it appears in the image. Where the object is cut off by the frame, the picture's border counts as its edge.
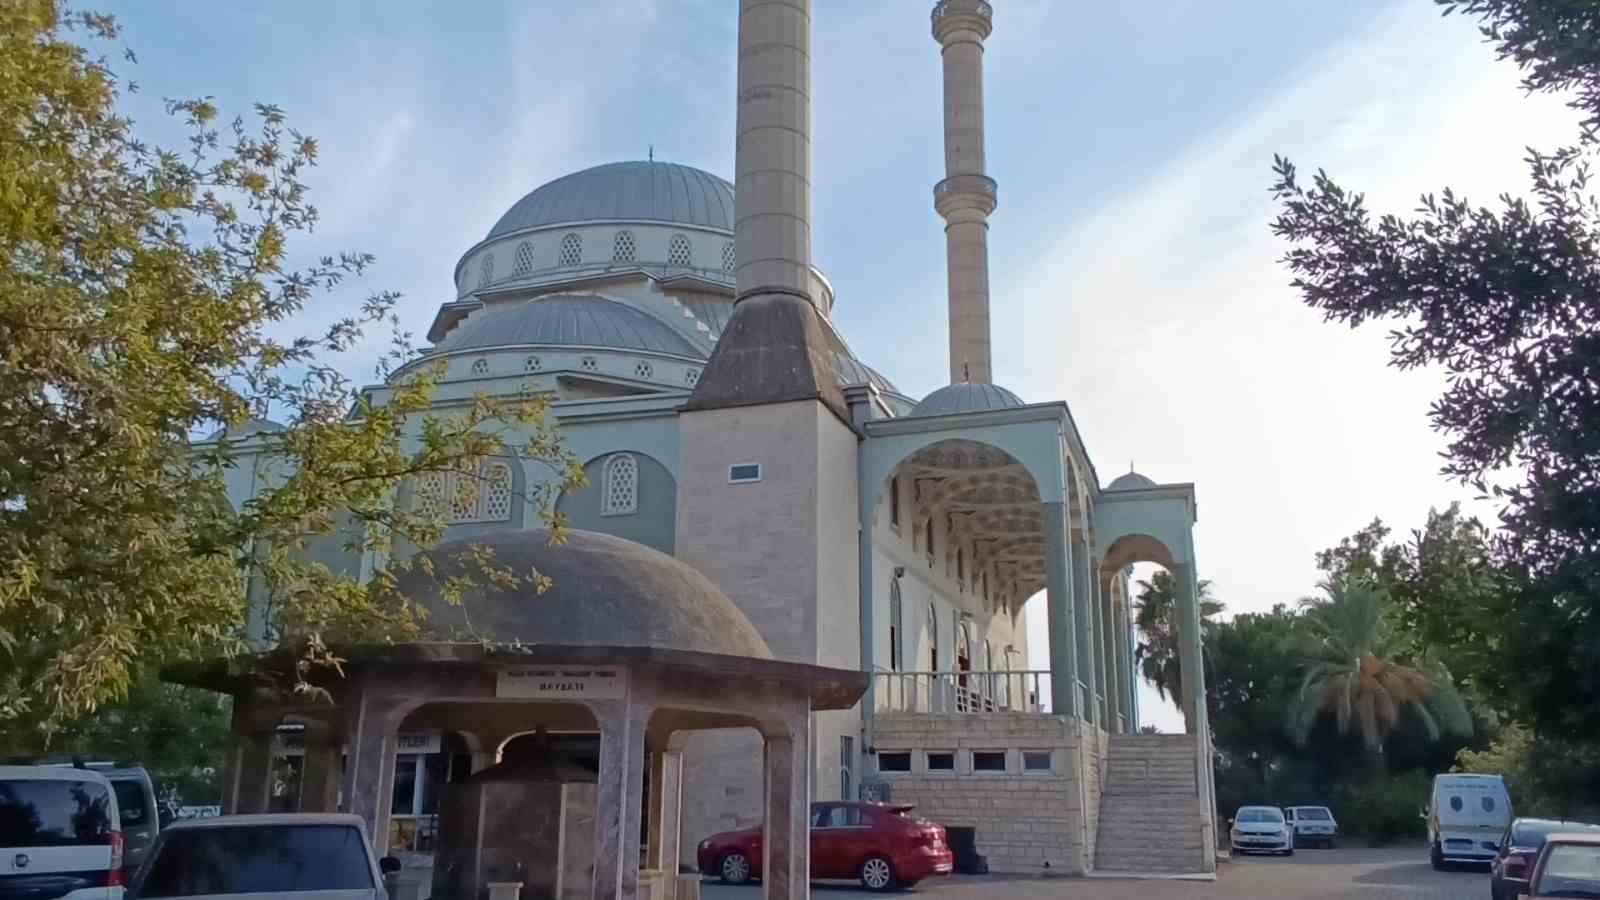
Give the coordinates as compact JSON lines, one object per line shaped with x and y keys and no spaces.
{"x":966,"y":196}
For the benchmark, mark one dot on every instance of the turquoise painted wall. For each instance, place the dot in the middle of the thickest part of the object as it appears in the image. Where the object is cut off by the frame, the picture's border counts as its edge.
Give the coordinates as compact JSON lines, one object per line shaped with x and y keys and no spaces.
{"x":654,"y":524}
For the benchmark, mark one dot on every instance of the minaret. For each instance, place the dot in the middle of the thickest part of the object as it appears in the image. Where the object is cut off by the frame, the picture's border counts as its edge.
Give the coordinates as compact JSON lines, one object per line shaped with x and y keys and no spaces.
{"x":966,"y":196}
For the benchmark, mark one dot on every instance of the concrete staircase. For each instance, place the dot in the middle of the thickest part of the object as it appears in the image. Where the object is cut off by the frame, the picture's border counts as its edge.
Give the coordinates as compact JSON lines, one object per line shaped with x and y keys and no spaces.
{"x":1150,"y":816}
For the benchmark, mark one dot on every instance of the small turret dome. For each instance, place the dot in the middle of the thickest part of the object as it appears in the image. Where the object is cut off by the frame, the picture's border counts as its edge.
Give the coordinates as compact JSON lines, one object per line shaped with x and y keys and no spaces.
{"x":1132,"y":481}
{"x":966,"y":397}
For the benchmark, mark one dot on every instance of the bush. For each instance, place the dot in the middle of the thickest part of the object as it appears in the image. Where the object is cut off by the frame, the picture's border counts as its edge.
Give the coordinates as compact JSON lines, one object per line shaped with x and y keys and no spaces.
{"x":1388,"y":809}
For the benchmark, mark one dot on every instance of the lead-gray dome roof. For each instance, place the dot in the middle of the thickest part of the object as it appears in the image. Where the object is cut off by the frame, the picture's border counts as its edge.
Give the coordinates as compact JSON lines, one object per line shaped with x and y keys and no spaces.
{"x":566,"y":320}
{"x":627,"y":192}
{"x":964,"y":397}
{"x":1130,"y":481}
{"x":604,"y":591}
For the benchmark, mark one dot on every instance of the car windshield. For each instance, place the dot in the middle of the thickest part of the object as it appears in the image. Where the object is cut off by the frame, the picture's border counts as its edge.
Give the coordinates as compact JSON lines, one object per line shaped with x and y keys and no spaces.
{"x":258,"y":859}
{"x":1259,"y":815}
{"x":50,"y":812}
{"x":1316,"y":813}
{"x":130,"y":803}
{"x":1570,"y":870}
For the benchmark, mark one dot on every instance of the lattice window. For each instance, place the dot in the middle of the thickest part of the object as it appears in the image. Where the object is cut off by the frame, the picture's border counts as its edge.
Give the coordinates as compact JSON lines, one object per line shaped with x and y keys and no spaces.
{"x":691,"y":377}
{"x":482,"y":494}
{"x":624,"y":248}
{"x":486,"y":270}
{"x":571,"y":250}
{"x":589,"y":364}
{"x":620,"y":486}
{"x":523,"y":263}
{"x":480,"y":367}
{"x":727,"y":257}
{"x":679,"y":252}
{"x":532,"y":364}
{"x":643,"y":369}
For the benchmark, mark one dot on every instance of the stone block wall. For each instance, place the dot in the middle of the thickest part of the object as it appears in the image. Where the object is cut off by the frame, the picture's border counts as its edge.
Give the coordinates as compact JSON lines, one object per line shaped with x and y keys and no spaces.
{"x":1027,"y":822}
{"x":1096,"y":746}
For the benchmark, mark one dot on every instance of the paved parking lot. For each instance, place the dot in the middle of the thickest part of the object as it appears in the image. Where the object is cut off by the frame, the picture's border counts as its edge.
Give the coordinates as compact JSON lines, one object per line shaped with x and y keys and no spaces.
{"x":1348,"y":872}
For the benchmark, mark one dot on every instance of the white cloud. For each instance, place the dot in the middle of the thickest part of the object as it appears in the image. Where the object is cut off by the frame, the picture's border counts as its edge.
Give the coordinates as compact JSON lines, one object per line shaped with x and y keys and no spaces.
{"x":1167,"y":321}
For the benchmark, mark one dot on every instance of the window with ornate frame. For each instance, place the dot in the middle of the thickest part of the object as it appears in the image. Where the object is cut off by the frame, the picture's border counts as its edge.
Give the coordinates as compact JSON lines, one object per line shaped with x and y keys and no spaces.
{"x":619,"y":485}
{"x":483,"y":494}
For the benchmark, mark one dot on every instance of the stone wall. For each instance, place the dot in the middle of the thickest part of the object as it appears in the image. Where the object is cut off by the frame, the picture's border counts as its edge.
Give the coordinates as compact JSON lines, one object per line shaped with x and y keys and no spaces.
{"x":1026,"y":821}
{"x":1096,"y":750}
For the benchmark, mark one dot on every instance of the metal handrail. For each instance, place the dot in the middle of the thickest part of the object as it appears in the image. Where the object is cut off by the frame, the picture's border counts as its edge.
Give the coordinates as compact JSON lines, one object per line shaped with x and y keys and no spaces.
{"x":960,"y":691}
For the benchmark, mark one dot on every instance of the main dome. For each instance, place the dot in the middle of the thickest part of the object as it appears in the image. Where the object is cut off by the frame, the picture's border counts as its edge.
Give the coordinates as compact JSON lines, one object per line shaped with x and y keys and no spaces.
{"x":965,"y":396}
{"x":625,"y":192}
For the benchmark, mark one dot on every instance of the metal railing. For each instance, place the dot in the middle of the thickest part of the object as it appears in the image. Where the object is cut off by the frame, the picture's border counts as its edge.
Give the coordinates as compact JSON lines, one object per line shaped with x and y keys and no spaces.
{"x":960,"y":692}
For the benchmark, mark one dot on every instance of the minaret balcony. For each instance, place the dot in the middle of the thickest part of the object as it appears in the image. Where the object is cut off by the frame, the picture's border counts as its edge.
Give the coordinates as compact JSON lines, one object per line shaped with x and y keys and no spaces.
{"x":951,"y":16}
{"x":965,"y":193}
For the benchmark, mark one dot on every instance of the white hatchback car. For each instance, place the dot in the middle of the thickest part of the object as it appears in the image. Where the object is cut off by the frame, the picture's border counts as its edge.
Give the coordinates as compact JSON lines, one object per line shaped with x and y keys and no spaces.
{"x":1313,"y":825}
{"x":325,"y":856}
{"x":1261,"y":829}
{"x":59,"y":834}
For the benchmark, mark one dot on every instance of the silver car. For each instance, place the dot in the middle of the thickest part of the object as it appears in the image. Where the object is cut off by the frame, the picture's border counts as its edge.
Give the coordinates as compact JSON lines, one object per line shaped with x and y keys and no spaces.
{"x":311,"y":856}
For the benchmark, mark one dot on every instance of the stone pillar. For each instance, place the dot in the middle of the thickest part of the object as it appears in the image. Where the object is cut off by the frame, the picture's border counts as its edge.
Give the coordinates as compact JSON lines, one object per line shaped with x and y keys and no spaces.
{"x":772,"y":166}
{"x":367,"y":786}
{"x":666,"y":814}
{"x":1083,"y":602}
{"x":1102,"y":644}
{"x":786,"y":837}
{"x":1060,"y":614}
{"x":1189,"y":644}
{"x":966,"y":197}
{"x":619,"y":799}
{"x":1121,"y":653}
{"x":249,"y":774}
{"x":319,"y":780}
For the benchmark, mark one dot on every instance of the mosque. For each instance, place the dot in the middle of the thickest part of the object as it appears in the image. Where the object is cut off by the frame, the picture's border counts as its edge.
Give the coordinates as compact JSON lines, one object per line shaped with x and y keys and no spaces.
{"x":685,"y":338}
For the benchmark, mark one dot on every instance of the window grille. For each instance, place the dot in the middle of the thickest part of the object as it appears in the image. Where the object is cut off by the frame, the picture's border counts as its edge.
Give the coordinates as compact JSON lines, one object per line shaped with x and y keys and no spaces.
{"x":571,"y":250}
{"x":483,"y":494}
{"x":624,"y":248}
{"x":486,"y":270}
{"x":620,"y":486}
{"x":522,"y":264}
{"x":679,"y":252}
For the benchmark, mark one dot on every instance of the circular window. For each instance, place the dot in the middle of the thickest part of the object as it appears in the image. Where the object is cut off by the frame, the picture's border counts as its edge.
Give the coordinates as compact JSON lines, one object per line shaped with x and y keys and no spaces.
{"x":643,"y":369}
{"x":692,"y":376}
{"x":589,"y":364}
{"x":532,"y":364}
{"x":1456,"y":804}
{"x":480,"y":367}
{"x":1488,"y":804}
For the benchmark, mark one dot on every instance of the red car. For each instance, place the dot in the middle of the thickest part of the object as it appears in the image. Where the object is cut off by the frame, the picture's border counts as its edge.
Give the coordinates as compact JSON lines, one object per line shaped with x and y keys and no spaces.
{"x":881,"y":844}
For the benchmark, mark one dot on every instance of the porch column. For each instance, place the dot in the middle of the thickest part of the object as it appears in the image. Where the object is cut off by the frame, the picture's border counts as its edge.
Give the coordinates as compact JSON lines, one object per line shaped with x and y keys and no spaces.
{"x":371,"y":721}
{"x":619,"y":799}
{"x":1060,"y":613}
{"x":666,"y":814}
{"x":1189,"y":644}
{"x":1120,"y":651}
{"x":1102,"y":636}
{"x":249,"y":773}
{"x":319,"y":780}
{"x":1083,"y":597}
{"x":786,"y":836}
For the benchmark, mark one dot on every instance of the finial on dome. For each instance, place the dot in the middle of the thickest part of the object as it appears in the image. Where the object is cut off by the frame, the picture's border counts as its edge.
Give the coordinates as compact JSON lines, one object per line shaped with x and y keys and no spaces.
{"x":652,"y":152}
{"x":966,"y":371}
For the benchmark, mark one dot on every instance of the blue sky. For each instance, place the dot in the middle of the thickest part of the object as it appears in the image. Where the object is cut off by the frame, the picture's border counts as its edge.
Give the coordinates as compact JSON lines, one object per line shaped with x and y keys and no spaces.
{"x":1133,"y":273}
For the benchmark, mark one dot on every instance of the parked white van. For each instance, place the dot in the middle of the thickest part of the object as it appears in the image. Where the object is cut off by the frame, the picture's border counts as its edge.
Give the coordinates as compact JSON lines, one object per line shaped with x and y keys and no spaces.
{"x":1466,"y":818}
{"x":59,"y":834}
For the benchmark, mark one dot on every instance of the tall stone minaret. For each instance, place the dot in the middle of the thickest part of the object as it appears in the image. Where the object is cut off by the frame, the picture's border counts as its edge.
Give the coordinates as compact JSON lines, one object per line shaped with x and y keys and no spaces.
{"x":966,"y":196}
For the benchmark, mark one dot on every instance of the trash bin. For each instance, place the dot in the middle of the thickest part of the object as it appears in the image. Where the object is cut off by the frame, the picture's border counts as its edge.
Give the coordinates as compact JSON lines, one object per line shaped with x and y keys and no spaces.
{"x":964,"y":846}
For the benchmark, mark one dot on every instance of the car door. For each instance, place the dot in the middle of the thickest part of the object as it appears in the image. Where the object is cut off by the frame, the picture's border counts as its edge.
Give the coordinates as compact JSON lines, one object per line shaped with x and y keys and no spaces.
{"x":827,"y":840}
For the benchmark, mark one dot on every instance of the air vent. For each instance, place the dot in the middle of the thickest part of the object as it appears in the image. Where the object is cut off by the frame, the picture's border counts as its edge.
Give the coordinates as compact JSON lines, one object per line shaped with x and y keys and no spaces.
{"x":744,"y":473}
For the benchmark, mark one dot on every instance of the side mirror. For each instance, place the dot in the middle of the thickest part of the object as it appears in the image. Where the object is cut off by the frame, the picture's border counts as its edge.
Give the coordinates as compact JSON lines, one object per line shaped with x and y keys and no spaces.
{"x":389,"y":865}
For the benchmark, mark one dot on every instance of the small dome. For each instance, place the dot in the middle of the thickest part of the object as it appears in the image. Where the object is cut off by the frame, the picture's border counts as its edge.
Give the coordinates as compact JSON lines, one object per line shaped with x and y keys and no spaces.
{"x":1132,"y":481}
{"x":625,"y":192}
{"x":605,"y":591}
{"x":566,"y":320}
{"x":964,"y":397}
{"x":249,"y":429}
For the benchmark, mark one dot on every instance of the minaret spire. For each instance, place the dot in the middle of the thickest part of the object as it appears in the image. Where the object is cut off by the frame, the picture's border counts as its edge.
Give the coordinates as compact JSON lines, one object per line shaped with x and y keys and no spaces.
{"x":966,"y":196}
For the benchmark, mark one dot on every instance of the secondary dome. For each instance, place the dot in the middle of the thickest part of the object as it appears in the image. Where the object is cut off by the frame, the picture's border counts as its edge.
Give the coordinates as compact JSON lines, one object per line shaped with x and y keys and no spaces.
{"x":964,"y":397}
{"x":625,"y":192}
{"x":1132,"y":481}
{"x":566,"y":320}
{"x":605,"y":591}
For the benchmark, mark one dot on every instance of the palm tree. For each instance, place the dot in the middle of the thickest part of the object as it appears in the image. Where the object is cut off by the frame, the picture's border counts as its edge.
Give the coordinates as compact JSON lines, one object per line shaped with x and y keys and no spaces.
{"x":1351,"y":674}
{"x":1156,"y":615}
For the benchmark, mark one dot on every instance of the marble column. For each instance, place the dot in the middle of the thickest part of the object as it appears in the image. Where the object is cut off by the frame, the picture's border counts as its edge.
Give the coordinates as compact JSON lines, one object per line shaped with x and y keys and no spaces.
{"x":619,"y":799}
{"x":786,"y":836}
{"x":1083,"y":602}
{"x":319,"y":779}
{"x":1060,"y":613}
{"x":249,"y":774}
{"x":1120,"y":650}
{"x":666,"y":814}
{"x":1189,"y":643}
{"x":367,"y":786}
{"x":1105,"y":671}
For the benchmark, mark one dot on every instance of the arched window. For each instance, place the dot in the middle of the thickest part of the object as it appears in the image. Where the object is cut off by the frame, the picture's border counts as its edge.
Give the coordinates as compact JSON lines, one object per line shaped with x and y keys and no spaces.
{"x":486,"y":270}
{"x":988,"y":657}
{"x":963,"y":647}
{"x":619,"y":486}
{"x":624,"y":248}
{"x":933,"y":638}
{"x":895,"y":659}
{"x":679,"y":252}
{"x":571,"y":250}
{"x":483,"y":494}
{"x":522,"y":263}
{"x":727,"y":257}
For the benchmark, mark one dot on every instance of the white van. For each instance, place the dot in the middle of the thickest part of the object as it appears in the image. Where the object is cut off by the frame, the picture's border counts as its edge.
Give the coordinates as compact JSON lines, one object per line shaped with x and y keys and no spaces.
{"x":59,"y":834}
{"x":1466,"y":818}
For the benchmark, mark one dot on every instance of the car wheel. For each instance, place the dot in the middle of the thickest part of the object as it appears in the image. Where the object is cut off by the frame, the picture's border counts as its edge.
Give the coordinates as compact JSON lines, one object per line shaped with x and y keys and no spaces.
{"x":877,"y":874}
{"x":1289,"y":852}
{"x":1436,"y":857}
{"x":734,"y":868}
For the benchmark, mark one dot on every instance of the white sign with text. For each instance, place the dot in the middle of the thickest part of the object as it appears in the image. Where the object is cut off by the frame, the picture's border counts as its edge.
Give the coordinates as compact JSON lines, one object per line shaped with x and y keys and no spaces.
{"x":562,"y":683}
